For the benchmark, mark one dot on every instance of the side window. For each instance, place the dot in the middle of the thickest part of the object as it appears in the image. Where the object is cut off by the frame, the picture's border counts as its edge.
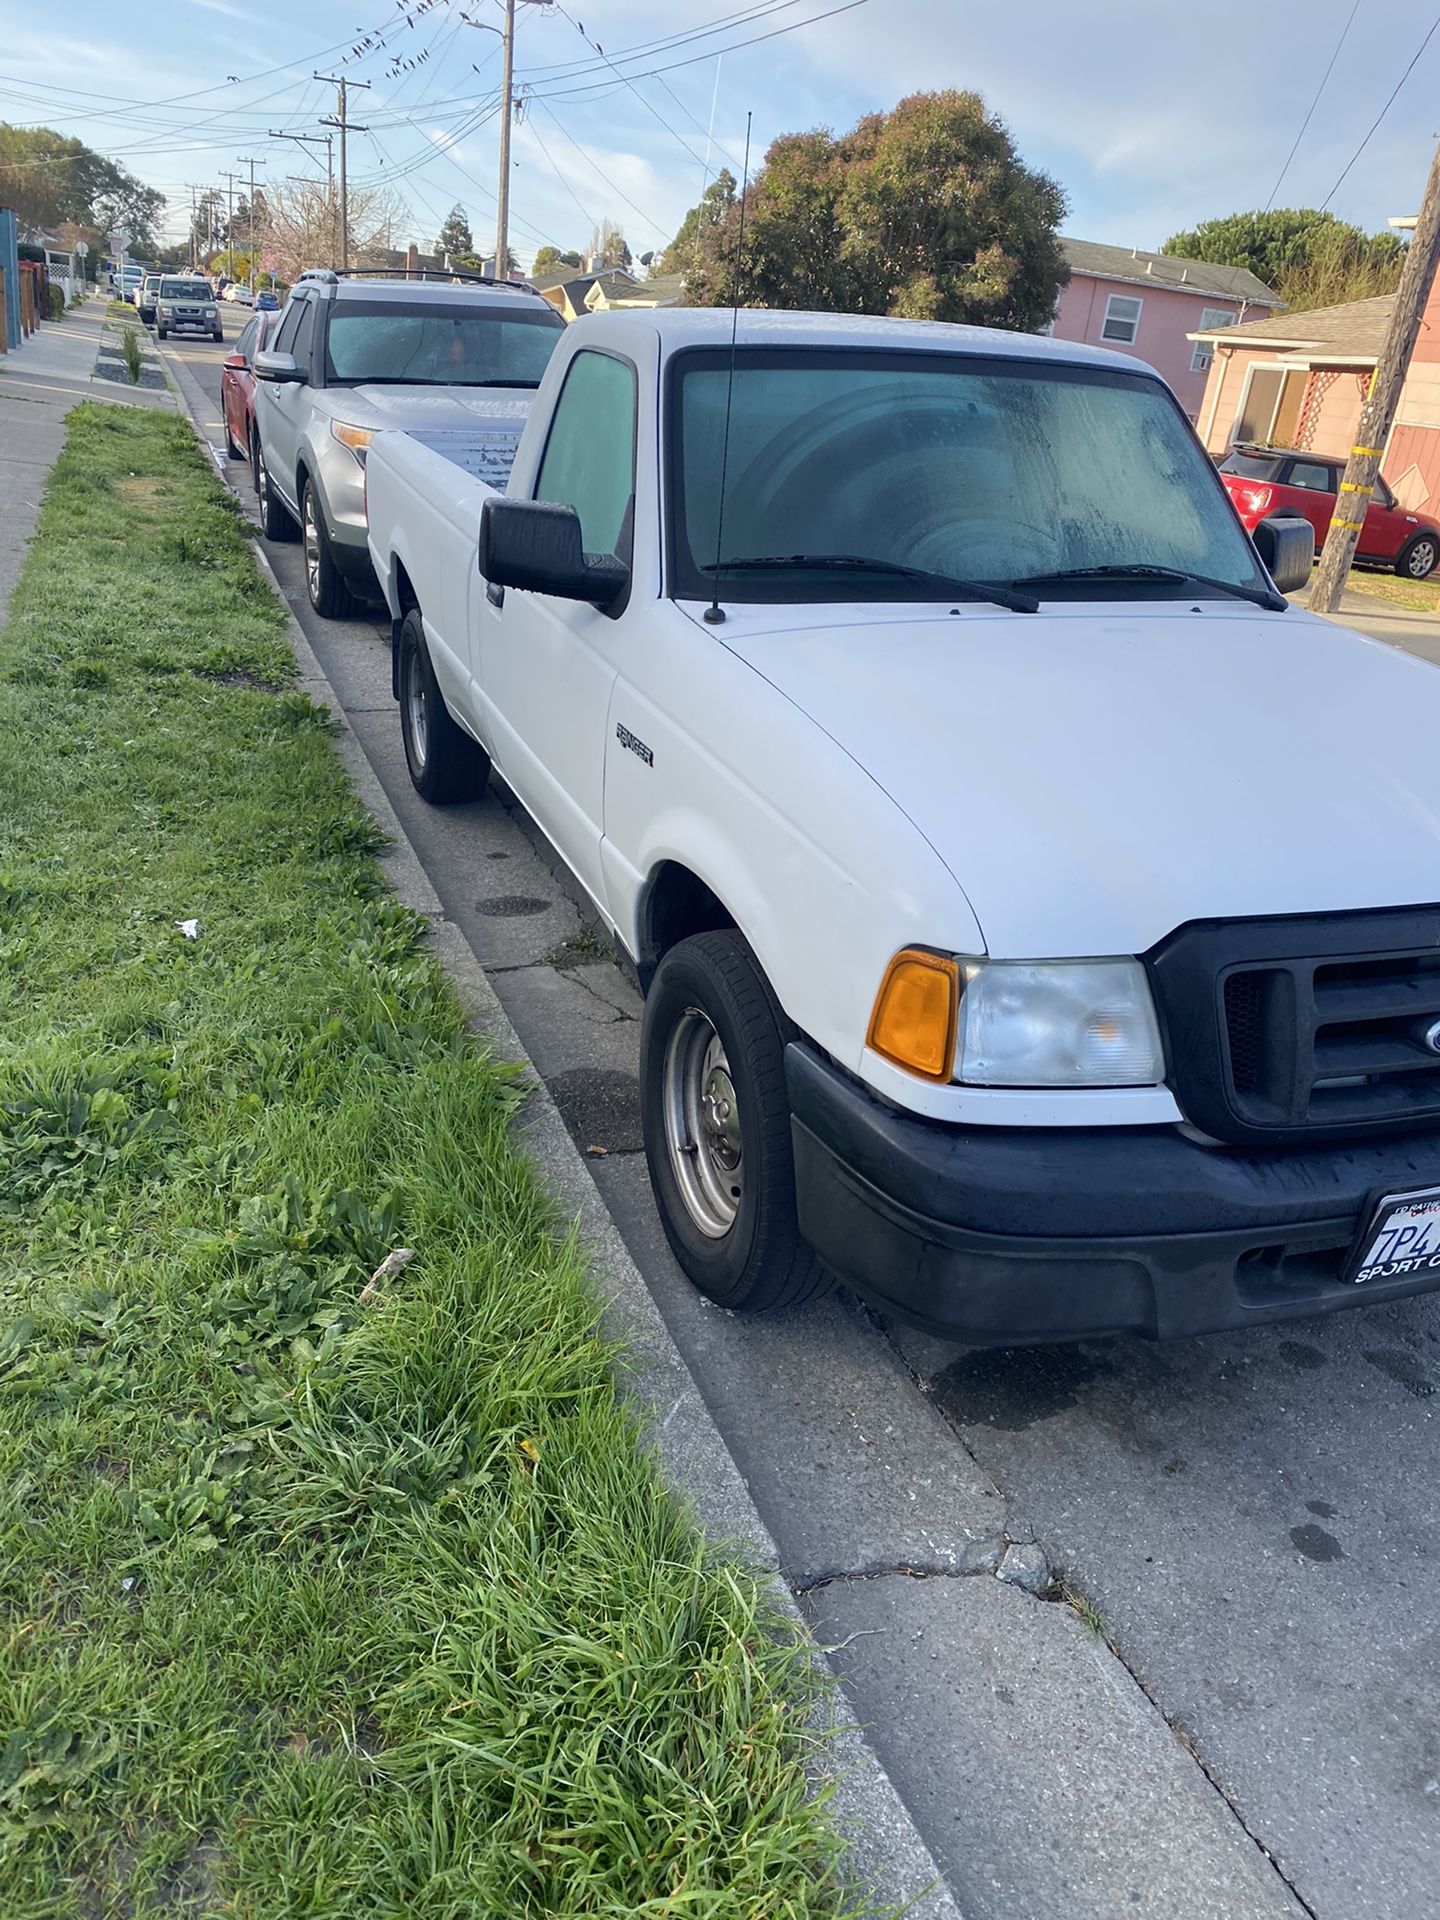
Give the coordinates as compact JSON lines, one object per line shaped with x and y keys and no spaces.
{"x":246,"y":343}
{"x":589,"y":458}
{"x":290,"y":326}
{"x":1382,"y":495}
{"x":305,"y":334}
{"x":1313,"y":475}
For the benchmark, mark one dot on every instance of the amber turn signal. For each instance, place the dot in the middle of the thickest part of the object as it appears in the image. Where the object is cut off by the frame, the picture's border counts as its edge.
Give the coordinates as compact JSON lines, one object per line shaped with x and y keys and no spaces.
{"x":915,"y":1012}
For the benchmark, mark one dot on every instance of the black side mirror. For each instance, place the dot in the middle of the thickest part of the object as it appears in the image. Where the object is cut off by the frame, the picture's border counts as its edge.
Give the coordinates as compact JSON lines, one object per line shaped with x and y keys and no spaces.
{"x":535,"y":545}
{"x":1286,"y":544}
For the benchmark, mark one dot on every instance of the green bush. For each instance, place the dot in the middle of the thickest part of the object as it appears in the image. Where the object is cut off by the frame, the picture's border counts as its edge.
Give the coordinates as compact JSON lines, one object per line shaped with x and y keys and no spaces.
{"x":130,"y":347}
{"x":57,"y":301}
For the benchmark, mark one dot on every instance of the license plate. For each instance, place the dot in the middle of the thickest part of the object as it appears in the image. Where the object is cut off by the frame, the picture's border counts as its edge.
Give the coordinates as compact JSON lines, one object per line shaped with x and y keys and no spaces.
{"x":1402,"y":1239}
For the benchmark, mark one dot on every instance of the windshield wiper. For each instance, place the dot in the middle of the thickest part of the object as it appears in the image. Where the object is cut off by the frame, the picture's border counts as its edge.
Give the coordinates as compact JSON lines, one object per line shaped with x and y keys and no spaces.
{"x":1143,"y":570}
{"x":411,"y":380}
{"x":1000,"y":596}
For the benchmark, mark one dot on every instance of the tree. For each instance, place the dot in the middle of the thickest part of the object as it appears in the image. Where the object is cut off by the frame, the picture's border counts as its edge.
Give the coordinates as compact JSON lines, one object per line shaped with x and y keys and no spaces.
{"x":926,"y":212}
{"x":300,"y":226}
{"x":714,"y":205}
{"x":608,"y":248}
{"x":455,"y":236}
{"x":550,"y":257}
{"x":47,"y":178}
{"x":1309,"y":257}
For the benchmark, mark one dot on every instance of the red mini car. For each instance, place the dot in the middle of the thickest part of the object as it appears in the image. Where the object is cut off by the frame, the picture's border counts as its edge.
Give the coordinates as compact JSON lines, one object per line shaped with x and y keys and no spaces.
{"x":237,"y":385}
{"x":1263,"y":480}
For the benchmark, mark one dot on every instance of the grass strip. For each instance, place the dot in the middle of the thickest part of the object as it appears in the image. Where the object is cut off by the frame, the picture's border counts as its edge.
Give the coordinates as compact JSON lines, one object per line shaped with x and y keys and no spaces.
{"x":318,"y":1596}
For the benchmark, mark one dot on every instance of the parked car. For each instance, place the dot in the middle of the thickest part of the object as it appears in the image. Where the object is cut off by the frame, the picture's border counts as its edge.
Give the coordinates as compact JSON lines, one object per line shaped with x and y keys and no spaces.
{"x":129,"y":283}
{"x":1037,"y":922}
{"x":186,"y":305}
{"x":360,"y":353}
{"x":267,"y":302}
{"x":237,"y":389}
{"x":240,"y":294}
{"x":145,"y":300}
{"x":1262,"y":481}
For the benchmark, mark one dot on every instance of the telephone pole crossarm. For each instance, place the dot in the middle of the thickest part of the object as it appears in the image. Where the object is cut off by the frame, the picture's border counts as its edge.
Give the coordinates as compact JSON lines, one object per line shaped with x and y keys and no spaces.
{"x":341,"y":120}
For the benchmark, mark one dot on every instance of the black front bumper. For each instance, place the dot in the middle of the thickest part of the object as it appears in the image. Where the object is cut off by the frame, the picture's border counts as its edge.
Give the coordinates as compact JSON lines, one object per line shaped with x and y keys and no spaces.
{"x":999,"y":1236}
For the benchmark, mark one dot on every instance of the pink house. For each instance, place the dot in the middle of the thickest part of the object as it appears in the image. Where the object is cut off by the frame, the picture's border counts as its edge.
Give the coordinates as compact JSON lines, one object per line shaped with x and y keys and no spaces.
{"x":1149,"y":304}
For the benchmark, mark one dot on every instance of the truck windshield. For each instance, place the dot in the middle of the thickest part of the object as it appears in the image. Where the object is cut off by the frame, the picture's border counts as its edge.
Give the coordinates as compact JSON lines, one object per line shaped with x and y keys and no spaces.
{"x":184,"y":290}
{"x":439,"y":346}
{"x":993,"y":470}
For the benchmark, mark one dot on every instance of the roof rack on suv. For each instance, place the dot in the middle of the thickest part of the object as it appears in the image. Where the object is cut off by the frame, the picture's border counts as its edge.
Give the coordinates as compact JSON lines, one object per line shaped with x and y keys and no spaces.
{"x":331,"y":276}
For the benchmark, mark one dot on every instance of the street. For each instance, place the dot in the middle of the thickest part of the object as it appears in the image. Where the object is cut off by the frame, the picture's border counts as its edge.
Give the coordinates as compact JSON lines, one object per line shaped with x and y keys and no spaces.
{"x":1227,"y":1702}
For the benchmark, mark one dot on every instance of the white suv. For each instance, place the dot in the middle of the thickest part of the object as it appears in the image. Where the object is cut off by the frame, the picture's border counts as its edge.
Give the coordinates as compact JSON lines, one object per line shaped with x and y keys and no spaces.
{"x":356,"y":354}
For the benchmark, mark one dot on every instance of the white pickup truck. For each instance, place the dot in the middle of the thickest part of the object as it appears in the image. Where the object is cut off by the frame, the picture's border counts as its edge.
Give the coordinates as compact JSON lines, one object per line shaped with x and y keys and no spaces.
{"x":1039,"y":918}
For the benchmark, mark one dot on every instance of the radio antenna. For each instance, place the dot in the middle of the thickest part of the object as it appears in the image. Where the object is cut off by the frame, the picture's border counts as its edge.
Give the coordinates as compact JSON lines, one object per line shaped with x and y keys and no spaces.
{"x":715,"y":613}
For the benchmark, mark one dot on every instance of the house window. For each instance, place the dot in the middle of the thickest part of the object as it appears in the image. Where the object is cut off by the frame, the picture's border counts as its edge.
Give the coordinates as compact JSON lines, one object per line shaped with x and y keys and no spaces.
{"x":1210,"y":318}
{"x":1122,"y":318}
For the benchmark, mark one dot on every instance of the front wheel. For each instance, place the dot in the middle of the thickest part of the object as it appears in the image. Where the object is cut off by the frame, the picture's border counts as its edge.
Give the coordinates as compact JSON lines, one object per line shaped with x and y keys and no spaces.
{"x":160,"y":333}
{"x":1418,"y":557}
{"x":217,"y":335}
{"x":716,"y":1122}
{"x":445,"y":764}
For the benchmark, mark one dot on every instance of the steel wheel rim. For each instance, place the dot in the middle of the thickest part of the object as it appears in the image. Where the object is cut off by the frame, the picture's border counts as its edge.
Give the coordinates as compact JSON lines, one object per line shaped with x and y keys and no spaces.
{"x":312,"y":546}
{"x":1422,"y":559}
{"x":262,"y":482}
{"x":416,"y":709}
{"x":702,"y":1124}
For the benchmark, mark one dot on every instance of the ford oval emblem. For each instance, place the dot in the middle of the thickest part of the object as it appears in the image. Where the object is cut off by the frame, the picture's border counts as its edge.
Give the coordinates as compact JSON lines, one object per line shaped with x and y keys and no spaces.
{"x":1432,"y":1036}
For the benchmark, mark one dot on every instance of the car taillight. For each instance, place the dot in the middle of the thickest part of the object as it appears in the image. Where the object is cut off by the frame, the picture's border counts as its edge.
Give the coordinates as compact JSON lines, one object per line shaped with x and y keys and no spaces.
{"x":1255,"y":499}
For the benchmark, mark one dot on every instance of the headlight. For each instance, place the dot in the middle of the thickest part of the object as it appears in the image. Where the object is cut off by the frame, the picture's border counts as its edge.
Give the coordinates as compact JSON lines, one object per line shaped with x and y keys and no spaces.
{"x":357,"y":439}
{"x":1058,"y":1023}
{"x":210,"y":313}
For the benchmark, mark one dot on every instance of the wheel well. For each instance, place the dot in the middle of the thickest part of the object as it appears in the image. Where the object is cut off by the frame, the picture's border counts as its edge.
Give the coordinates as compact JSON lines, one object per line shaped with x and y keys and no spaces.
{"x":409,"y":601}
{"x":677,"y":903}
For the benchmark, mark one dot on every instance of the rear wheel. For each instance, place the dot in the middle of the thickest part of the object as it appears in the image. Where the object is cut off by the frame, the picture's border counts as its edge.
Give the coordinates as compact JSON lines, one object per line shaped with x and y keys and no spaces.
{"x":1419,"y":556}
{"x":329,"y":593}
{"x":445,"y":764}
{"x":276,"y":520}
{"x":717,"y":1127}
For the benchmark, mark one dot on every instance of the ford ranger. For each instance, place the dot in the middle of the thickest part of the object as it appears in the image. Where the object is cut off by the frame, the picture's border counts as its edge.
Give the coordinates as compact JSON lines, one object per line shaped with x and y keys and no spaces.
{"x":1038,"y":916}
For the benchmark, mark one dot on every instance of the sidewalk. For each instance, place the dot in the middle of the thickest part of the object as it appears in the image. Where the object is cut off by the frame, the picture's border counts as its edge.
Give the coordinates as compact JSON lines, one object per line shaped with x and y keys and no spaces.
{"x":1417,"y":633}
{"x":40,"y":381}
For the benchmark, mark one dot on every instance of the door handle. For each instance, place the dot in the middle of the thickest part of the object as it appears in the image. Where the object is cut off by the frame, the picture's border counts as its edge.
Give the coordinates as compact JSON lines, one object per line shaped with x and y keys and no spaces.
{"x":495,"y":595}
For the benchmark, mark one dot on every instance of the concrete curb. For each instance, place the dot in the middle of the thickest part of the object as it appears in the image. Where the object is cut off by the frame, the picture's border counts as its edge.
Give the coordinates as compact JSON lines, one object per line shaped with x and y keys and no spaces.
{"x":886,"y":1855}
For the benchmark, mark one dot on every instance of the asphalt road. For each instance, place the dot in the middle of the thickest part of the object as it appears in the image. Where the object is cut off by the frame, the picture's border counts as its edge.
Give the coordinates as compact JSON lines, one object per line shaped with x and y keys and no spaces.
{"x":1244,"y":1718}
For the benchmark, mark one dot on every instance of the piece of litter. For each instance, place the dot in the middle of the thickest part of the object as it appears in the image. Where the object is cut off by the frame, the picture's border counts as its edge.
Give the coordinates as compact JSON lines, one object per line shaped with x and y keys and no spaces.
{"x":127,"y":1583}
{"x":597,"y":1153}
{"x":392,"y":1264}
{"x":190,"y":928}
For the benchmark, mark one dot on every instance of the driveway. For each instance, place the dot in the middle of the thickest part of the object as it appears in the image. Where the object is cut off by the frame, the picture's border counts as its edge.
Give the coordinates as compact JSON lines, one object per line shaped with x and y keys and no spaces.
{"x":1231,"y":1704}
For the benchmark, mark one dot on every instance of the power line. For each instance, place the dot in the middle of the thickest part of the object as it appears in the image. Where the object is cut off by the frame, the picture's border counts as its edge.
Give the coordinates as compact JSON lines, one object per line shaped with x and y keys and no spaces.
{"x":1310,"y":110}
{"x":1434,"y":25}
{"x":586,"y":215}
{"x":594,"y":164}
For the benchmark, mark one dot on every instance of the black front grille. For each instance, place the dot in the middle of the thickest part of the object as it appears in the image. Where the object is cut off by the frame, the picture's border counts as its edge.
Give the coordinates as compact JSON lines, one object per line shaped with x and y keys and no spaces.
{"x":1294,"y":1027}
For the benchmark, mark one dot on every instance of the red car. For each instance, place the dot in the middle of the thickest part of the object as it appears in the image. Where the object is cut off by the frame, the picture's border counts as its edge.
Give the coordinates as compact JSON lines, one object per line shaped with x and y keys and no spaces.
{"x":237,"y":386}
{"x":1264,"y":480}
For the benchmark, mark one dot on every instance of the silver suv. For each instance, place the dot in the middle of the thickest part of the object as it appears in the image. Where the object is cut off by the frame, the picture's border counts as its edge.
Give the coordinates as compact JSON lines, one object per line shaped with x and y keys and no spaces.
{"x":356,"y":354}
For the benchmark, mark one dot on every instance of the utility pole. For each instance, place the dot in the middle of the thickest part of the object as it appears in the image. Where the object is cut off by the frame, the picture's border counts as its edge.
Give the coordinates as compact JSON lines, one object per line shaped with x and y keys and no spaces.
{"x":246,"y":160}
{"x":327,"y":140}
{"x":338,"y":119}
{"x":230,"y":179}
{"x":194,"y":219}
{"x":507,"y":115}
{"x":1377,"y":416}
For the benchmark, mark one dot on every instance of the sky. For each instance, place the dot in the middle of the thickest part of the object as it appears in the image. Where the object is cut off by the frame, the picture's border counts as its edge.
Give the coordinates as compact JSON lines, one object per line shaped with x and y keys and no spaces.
{"x":1151,"y":115}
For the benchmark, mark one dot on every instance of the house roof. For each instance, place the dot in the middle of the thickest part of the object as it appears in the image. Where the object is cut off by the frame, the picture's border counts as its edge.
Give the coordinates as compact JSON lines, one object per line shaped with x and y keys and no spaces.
{"x":1093,"y":258}
{"x":1354,"y":331}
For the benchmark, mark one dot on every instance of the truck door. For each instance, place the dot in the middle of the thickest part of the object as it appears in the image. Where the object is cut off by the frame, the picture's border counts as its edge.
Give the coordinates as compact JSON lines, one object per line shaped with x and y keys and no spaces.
{"x":547,"y":667}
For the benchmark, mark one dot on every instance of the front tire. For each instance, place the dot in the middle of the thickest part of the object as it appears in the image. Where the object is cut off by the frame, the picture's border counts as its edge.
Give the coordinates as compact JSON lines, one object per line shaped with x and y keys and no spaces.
{"x":160,"y":333}
{"x":329,"y":593}
{"x":445,"y":764}
{"x":716,"y":1123}
{"x":1419,"y":557}
{"x":276,"y":520}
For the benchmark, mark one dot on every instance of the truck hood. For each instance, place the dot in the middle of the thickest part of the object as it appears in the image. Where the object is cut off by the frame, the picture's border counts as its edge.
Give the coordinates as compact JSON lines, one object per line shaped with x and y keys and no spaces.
{"x":1094,"y":776}
{"x":439,"y":409}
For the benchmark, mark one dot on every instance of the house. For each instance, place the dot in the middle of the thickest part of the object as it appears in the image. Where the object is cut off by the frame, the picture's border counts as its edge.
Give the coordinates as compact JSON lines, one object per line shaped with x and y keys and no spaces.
{"x":1156,"y":306}
{"x":568,"y":291}
{"x":1300,"y":380}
